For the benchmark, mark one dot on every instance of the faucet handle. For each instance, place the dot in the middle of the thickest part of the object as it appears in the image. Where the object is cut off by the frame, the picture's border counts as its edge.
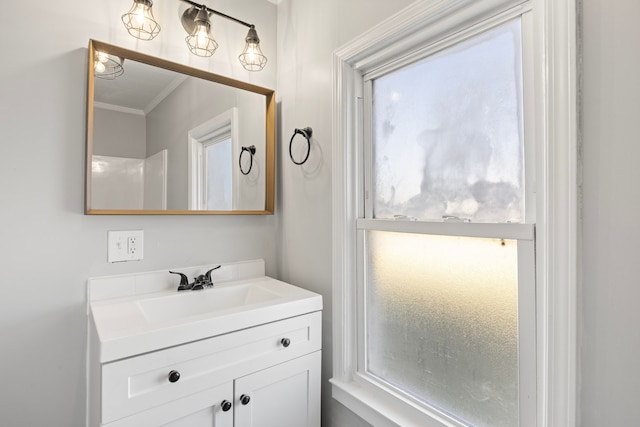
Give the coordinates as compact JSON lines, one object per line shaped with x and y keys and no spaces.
{"x":184,"y":281}
{"x":208,"y":274}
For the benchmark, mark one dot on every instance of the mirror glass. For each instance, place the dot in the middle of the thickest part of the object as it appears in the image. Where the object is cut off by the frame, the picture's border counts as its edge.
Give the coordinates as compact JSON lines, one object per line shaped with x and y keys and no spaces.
{"x":164,"y":138}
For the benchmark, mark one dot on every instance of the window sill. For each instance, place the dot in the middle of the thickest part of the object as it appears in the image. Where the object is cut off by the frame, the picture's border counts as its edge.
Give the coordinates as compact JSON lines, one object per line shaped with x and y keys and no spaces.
{"x":381,"y":409}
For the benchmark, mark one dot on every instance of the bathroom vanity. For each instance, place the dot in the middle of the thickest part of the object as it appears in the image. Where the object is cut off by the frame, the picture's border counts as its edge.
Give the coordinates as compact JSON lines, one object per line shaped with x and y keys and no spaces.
{"x":243,"y":353}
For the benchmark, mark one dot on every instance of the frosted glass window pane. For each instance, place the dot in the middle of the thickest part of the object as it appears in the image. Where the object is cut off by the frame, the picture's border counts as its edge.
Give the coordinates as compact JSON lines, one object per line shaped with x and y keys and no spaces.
{"x":448,"y":133}
{"x":441,"y":322}
{"x":218,"y":175}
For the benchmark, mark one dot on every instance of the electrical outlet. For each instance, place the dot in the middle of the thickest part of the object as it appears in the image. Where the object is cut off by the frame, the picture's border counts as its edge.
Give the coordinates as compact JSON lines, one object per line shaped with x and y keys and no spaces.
{"x":132,"y":245}
{"x":125,"y":245}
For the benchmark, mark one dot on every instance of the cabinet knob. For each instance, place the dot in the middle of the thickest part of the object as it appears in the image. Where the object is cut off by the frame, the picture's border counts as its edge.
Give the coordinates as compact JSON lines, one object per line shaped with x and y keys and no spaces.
{"x":244,"y":399}
{"x":174,"y":376}
{"x":285,"y":342}
{"x":226,"y":405}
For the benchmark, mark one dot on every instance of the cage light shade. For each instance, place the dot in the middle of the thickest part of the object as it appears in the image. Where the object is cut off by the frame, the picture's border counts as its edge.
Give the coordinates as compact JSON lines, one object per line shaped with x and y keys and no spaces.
{"x":252,"y":58}
{"x":200,"y":41}
{"x":107,"y":67}
{"x":139,"y":21}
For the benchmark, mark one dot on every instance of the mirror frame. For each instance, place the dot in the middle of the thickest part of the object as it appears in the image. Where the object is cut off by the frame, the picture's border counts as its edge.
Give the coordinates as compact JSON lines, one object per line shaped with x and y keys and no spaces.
{"x":270,"y":129}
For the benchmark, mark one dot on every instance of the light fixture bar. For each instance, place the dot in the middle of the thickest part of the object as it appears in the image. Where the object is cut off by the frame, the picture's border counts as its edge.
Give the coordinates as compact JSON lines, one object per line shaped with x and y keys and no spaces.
{"x":215,"y":12}
{"x":141,"y":24}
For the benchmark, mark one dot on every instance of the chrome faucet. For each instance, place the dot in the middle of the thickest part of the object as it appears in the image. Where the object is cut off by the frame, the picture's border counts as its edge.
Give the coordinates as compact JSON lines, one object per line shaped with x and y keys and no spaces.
{"x":199,"y":282}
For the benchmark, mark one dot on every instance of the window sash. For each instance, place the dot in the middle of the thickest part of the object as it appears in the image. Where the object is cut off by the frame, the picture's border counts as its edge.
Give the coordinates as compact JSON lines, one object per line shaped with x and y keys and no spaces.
{"x":222,"y":136}
{"x":464,"y":229}
{"x":365,"y":148}
{"x":524,"y":233}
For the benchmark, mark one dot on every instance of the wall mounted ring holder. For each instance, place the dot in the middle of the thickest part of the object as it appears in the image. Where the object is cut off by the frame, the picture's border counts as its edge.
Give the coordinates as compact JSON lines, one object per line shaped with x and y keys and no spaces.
{"x":306,"y":133}
{"x":252,"y":151}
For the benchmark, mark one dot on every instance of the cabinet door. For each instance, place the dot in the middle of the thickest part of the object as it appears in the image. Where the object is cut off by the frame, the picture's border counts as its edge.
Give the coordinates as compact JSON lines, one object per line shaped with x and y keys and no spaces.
{"x":203,"y":409}
{"x":285,"y":395}
{"x":210,"y":416}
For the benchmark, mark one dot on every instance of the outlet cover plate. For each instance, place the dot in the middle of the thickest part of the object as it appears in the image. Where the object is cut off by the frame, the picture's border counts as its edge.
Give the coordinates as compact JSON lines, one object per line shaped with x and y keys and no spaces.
{"x":125,"y":245}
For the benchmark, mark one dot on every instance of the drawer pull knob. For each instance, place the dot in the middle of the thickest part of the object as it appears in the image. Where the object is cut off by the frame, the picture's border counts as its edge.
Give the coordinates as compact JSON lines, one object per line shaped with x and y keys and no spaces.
{"x":285,"y":342}
{"x":244,"y":399}
{"x":174,"y":376}
{"x":226,"y":405}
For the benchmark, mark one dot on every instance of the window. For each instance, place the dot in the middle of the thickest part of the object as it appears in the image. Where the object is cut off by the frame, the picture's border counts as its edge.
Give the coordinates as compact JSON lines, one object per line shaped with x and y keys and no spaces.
{"x":440,"y":306}
{"x":216,"y":174}
{"x":444,"y":307}
{"x":211,"y":173}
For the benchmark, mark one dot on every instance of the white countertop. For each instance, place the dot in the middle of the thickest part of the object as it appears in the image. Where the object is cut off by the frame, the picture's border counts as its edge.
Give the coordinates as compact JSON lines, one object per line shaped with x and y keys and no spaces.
{"x":134,"y":324}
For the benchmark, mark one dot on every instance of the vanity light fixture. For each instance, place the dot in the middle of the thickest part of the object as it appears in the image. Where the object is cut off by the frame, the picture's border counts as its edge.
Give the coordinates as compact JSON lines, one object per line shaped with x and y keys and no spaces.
{"x":140,"y":24}
{"x":251,"y":57}
{"x":200,"y":41}
{"x":139,"y":21}
{"x":107,"y":66}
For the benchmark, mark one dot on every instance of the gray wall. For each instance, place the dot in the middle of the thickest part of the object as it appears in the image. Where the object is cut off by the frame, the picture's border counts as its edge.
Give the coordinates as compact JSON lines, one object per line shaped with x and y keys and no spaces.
{"x":611,"y":283}
{"x":308,"y":33}
{"x":48,"y":247}
{"x":119,"y":134}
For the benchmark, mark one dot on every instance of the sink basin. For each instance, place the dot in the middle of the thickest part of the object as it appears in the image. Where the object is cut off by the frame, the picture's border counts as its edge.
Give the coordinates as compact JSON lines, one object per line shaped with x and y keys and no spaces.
{"x":205,"y":302}
{"x":146,"y":322}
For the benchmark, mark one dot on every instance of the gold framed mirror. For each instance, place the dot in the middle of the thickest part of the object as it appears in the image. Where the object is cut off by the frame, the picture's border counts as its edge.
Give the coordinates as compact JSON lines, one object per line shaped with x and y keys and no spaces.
{"x":167,"y":139}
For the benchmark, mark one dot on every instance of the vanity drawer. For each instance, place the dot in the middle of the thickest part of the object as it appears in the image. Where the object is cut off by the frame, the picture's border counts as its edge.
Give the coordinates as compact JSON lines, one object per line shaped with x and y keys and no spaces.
{"x":142,"y":382}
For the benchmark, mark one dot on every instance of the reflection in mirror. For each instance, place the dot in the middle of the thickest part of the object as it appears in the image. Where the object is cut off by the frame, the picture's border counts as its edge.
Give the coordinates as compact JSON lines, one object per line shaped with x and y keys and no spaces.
{"x":164,"y":138}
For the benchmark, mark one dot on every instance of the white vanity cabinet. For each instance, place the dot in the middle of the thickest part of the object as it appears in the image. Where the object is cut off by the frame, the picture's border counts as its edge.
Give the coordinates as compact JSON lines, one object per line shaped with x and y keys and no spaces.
{"x":244,"y":353}
{"x":267,"y":375}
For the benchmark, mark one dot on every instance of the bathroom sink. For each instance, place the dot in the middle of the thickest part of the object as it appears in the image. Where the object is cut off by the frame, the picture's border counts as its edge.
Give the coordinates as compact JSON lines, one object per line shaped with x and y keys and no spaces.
{"x":208,"y":302}
{"x":146,"y":322}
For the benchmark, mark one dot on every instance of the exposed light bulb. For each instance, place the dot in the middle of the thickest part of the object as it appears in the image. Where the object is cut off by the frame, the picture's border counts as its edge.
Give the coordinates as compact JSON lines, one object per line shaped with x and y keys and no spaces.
{"x":139,"y":21}
{"x":252,"y":58}
{"x":141,"y":13}
{"x":200,"y":41}
{"x":99,"y":67}
{"x":251,"y":52}
{"x":102,"y":57}
{"x":201,"y":35}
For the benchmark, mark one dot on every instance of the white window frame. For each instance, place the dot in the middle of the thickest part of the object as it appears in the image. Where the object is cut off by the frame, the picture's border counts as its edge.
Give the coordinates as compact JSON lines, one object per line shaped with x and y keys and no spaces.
{"x":555,"y":118}
{"x":221,"y":127}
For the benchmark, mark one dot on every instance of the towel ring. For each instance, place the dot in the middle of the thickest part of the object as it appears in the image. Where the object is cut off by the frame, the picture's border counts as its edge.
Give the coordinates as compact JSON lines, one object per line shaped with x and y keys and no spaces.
{"x":251,"y":150}
{"x":306,"y":133}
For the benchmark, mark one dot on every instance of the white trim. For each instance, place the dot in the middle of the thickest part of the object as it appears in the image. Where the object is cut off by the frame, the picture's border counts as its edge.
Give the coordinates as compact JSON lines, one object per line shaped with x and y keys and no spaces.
{"x":465,"y":229}
{"x":382,"y":412}
{"x":165,"y":169}
{"x":527,"y":357}
{"x":118,"y":108}
{"x":554,"y":42}
{"x":558,"y":231}
{"x":408,"y":30}
{"x":448,"y":40}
